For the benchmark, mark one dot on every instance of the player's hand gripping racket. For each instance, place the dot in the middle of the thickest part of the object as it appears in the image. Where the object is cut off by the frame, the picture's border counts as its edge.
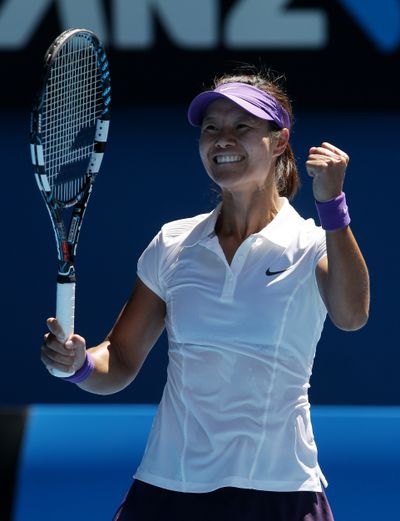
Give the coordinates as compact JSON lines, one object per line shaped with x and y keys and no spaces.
{"x":69,"y":127}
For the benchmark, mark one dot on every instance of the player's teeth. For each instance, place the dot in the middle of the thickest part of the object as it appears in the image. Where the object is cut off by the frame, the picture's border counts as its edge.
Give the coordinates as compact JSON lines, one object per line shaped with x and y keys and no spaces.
{"x":227,"y":159}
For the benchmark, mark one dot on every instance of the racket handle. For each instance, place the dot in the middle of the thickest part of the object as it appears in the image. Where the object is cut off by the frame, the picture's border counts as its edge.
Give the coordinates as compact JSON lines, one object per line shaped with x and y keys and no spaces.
{"x":65,"y":315}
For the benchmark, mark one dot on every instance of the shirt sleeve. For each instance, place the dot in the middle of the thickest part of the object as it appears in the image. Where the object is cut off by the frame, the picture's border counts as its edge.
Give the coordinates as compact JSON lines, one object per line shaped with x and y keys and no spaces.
{"x":320,"y":246}
{"x":149,"y":267}
{"x":319,"y":253}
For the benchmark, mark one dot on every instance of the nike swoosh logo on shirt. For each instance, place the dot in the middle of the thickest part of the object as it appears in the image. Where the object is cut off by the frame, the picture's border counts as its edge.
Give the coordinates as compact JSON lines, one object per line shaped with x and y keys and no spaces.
{"x":271,"y":273}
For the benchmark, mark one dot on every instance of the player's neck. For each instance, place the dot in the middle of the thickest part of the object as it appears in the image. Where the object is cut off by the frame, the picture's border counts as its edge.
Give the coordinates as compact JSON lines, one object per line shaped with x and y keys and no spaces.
{"x":244,"y":214}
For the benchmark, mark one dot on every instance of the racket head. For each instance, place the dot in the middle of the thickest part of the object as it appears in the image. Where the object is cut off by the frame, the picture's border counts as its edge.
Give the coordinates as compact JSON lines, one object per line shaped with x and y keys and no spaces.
{"x":70,"y":117}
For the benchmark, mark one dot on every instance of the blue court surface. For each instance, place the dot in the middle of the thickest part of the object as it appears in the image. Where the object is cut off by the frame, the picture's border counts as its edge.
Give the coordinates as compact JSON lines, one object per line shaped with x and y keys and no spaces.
{"x":77,"y":461}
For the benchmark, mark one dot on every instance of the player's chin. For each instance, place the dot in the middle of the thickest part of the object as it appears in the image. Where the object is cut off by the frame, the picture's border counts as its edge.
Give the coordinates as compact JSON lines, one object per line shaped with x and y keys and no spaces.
{"x":226,"y":173}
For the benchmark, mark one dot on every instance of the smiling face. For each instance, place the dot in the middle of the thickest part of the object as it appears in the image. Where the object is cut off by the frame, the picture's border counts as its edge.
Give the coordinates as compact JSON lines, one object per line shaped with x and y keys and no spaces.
{"x":237,"y":149}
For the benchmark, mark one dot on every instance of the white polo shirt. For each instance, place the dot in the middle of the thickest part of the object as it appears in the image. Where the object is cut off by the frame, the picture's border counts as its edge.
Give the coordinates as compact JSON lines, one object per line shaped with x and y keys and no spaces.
{"x":242,"y":340}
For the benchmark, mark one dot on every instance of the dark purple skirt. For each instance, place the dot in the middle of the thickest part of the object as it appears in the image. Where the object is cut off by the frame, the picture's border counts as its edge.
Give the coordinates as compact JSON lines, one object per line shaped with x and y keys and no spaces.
{"x":146,"y":502}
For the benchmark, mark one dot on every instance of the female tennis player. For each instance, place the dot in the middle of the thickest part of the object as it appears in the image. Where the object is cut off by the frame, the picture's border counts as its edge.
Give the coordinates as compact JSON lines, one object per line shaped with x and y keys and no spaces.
{"x":243,"y":293}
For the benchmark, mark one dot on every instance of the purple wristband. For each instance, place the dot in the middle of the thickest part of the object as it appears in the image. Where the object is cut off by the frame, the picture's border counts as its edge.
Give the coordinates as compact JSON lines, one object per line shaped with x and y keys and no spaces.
{"x":84,"y":372}
{"x":333,"y":214}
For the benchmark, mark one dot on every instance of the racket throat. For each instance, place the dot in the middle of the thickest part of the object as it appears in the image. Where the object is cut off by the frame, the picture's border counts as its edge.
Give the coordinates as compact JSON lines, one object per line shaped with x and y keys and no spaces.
{"x":66,"y":272}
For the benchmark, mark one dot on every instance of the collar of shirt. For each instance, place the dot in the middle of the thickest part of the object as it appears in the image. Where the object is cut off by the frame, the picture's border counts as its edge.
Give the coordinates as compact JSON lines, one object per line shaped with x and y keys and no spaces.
{"x":279,"y":232}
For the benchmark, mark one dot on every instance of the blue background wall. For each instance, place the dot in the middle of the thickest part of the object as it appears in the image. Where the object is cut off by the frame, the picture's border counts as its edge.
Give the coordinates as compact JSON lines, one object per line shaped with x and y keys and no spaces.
{"x":152,"y":174}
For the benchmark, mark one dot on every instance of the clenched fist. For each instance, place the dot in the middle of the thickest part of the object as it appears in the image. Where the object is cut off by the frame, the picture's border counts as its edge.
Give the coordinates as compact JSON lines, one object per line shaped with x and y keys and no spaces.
{"x":327,"y":165}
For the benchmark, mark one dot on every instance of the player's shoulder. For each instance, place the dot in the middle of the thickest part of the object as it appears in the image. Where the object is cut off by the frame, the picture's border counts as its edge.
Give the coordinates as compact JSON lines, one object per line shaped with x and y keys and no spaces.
{"x":303,"y":230}
{"x":304,"y":223}
{"x":184,"y":229}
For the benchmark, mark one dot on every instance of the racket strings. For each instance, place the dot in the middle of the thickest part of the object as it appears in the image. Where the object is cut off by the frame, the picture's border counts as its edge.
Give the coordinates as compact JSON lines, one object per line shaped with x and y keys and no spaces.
{"x":72,"y":103}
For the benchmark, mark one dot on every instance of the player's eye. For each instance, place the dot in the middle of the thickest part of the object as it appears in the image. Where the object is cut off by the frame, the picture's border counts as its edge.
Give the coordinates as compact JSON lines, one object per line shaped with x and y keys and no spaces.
{"x":242,"y":126}
{"x":209,"y":127}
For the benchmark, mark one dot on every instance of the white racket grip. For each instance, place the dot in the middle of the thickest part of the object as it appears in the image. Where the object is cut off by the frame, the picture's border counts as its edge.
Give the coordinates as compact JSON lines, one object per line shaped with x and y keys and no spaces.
{"x":65,"y":315}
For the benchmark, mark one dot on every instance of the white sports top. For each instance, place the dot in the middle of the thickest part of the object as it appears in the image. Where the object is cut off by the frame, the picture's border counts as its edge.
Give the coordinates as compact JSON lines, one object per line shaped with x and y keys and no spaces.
{"x":242,"y":340}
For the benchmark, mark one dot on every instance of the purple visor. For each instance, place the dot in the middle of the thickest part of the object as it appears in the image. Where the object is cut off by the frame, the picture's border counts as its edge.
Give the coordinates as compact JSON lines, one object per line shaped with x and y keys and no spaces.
{"x":253,"y":100}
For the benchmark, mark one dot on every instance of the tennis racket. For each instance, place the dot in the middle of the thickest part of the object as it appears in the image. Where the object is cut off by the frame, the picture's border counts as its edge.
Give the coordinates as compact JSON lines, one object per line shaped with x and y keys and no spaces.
{"x":69,"y":127}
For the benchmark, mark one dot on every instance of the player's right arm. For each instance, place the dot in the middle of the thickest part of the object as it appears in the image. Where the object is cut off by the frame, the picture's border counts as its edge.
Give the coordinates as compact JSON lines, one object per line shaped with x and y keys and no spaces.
{"x":119,"y":358}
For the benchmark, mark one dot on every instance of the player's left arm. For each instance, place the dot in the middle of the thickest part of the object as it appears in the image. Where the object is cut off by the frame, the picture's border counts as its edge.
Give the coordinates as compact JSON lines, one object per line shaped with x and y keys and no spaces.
{"x":342,"y":275}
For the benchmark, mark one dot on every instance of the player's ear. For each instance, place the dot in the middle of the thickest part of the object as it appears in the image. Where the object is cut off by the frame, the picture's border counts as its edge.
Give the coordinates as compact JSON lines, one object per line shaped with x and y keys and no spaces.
{"x":280,"y":141}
